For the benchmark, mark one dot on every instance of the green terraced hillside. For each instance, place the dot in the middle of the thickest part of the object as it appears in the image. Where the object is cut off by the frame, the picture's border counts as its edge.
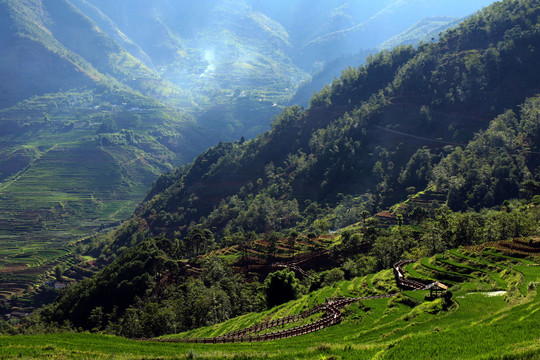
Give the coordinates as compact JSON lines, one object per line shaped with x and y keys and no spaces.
{"x":69,"y":169}
{"x":495,"y":313}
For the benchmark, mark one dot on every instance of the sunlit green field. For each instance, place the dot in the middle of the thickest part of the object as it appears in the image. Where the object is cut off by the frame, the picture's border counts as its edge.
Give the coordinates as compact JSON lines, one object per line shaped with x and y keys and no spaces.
{"x":496,"y":314}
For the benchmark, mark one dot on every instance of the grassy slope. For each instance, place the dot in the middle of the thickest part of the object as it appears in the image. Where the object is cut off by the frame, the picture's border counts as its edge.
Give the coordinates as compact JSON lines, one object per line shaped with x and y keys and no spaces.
{"x":479,"y":326}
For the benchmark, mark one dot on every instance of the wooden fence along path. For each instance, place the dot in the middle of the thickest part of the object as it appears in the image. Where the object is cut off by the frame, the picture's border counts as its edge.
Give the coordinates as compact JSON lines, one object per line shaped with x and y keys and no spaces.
{"x":333,"y":315}
{"x":277,"y":322}
{"x":332,"y":307}
{"x":403,"y":282}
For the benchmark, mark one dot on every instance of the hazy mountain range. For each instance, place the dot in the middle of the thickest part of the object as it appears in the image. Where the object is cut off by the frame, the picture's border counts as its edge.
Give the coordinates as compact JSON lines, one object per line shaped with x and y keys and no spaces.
{"x":149,"y":165}
{"x":193,"y":50}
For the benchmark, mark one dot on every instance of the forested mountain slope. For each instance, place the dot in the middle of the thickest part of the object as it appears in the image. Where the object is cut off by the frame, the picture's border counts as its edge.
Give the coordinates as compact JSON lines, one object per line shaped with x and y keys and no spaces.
{"x":359,"y":135}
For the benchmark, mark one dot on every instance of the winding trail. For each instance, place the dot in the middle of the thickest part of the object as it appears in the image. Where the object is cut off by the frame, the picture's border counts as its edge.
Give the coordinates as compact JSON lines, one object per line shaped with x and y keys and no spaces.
{"x":332,"y":307}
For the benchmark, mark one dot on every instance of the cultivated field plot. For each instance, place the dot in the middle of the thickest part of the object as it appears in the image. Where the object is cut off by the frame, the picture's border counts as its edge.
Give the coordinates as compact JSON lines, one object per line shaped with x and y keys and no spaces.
{"x":23,"y":265}
{"x":65,"y":188}
{"x":66,"y":194}
{"x":62,"y":179}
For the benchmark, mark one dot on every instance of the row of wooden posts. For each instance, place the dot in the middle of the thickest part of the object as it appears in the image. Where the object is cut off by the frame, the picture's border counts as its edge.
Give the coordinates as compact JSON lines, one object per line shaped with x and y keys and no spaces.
{"x":277,"y":322}
{"x":400,"y":276}
{"x":332,"y":307}
{"x":293,"y":267}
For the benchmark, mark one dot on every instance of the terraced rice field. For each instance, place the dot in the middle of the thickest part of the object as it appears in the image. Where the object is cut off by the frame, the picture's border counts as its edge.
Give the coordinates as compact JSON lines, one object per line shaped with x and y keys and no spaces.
{"x":495,"y":314}
{"x":62,"y":178}
{"x":484,"y":270}
{"x":24,"y":266}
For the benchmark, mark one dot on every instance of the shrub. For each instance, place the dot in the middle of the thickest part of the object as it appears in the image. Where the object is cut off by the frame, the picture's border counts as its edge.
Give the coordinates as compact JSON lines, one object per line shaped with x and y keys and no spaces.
{"x":280,"y":286}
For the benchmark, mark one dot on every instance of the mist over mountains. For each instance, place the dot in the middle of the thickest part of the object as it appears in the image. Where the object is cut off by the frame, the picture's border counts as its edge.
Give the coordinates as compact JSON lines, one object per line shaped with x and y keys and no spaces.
{"x":118,"y":80}
{"x":145,"y":86}
{"x":193,"y":53}
{"x":303,"y":35}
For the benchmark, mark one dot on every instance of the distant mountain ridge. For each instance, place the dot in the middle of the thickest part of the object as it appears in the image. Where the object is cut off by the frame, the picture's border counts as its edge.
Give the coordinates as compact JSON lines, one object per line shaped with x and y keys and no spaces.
{"x":427,"y":29}
{"x":391,"y":19}
{"x":195,"y":55}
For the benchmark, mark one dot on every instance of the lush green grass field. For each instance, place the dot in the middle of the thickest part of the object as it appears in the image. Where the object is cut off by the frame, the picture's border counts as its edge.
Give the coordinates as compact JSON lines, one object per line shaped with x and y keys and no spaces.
{"x":488,"y":320}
